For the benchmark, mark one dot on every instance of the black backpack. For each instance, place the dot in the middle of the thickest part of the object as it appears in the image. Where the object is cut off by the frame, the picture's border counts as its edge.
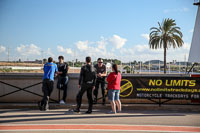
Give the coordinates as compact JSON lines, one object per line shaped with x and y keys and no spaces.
{"x":88,"y":74}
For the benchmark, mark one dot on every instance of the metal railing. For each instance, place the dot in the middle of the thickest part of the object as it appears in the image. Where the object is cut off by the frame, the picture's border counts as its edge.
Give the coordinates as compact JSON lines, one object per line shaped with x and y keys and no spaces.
{"x":23,"y":89}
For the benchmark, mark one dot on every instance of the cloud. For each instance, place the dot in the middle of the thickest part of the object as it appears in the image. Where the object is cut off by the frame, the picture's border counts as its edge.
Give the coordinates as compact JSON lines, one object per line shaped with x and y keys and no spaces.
{"x":186,"y":46}
{"x":117,"y":41}
{"x":94,"y":49}
{"x":145,"y":36}
{"x":82,"y":45}
{"x":142,"y":52}
{"x":184,"y":9}
{"x":102,"y":43}
{"x":141,"y":48}
{"x":136,"y":52}
{"x":100,"y":48}
{"x":27,"y":50}
{"x":64,"y":50}
{"x":2,"y":49}
{"x":127,"y":51}
{"x":49,"y":52}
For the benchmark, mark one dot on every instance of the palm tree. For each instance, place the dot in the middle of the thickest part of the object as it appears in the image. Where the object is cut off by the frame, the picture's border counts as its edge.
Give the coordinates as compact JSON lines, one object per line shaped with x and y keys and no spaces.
{"x":165,"y":36}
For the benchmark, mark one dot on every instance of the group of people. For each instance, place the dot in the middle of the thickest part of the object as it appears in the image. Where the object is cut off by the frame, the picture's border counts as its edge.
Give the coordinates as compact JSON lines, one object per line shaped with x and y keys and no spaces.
{"x":91,"y":77}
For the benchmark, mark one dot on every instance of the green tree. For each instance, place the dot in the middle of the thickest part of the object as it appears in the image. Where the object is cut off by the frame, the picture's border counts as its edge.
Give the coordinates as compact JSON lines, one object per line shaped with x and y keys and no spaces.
{"x":165,"y":36}
{"x":127,"y":68}
{"x":44,"y":61}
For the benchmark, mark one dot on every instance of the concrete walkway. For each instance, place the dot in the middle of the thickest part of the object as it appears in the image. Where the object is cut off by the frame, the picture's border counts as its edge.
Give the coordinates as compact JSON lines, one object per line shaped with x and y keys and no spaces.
{"x":142,"y":120}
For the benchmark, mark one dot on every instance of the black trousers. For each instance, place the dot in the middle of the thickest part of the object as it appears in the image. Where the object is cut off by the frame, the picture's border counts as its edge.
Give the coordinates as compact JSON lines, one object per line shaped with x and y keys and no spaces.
{"x":62,"y":84}
{"x":85,"y":87}
{"x":102,"y":83}
{"x":47,"y":88}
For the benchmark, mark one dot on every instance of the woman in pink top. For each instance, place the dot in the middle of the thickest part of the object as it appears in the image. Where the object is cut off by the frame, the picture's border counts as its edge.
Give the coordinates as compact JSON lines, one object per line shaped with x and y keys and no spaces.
{"x":114,"y":80}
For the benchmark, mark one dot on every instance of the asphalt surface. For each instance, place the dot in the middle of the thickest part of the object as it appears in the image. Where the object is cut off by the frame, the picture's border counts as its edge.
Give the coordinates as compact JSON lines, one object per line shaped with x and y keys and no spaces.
{"x":64,"y":120}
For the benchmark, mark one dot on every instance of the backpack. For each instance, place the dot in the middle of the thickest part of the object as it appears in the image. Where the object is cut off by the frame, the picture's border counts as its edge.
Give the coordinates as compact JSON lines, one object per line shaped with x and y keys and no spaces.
{"x":88,"y":75}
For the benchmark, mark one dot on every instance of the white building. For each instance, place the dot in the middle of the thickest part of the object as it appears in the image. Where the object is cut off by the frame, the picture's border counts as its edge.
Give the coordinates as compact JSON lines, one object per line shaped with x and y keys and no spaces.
{"x":194,"y":55}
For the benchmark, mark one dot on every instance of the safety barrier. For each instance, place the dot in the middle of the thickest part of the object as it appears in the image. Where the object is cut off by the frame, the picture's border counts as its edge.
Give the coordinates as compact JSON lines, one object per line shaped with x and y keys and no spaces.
{"x":27,"y":87}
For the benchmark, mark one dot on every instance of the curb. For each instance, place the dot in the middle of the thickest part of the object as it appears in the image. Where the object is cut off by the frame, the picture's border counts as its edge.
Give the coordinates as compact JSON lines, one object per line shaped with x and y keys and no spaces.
{"x":137,"y":107}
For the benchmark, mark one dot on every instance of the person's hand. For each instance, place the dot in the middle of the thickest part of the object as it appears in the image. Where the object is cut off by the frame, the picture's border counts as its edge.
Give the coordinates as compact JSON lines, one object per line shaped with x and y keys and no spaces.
{"x":93,"y":88}
{"x":79,"y":86}
{"x":59,"y":72}
{"x":55,"y":75}
{"x":99,"y":74}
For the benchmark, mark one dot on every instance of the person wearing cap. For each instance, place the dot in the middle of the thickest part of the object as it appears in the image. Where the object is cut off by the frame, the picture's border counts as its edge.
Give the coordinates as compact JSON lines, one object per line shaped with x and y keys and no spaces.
{"x":100,"y":69}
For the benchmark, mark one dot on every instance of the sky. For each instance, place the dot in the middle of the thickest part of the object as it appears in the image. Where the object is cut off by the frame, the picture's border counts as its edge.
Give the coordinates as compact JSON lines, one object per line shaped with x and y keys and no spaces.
{"x":112,"y":29}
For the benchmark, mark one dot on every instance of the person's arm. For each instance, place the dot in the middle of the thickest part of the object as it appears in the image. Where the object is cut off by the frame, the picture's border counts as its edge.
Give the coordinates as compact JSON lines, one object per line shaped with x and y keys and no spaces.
{"x":80,"y":77}
{"x":56,"y":70}
{"x":104,"y":74}
{"x":94,"y":80}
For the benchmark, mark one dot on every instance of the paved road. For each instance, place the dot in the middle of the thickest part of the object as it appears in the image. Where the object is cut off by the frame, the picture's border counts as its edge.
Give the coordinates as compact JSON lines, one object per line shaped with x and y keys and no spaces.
{"x":62,"y":120}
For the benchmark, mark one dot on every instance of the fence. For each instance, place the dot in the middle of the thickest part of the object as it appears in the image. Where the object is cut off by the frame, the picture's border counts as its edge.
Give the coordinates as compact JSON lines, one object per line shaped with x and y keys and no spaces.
{"x":26,"y":87}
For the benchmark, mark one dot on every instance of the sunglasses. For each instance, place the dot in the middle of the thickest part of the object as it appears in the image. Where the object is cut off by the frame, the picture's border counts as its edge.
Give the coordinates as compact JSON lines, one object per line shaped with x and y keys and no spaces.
{"x":100,"y":62}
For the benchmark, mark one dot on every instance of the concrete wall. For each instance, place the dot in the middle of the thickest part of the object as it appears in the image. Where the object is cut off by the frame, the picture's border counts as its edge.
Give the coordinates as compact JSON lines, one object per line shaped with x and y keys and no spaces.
{"x":26,"y":79}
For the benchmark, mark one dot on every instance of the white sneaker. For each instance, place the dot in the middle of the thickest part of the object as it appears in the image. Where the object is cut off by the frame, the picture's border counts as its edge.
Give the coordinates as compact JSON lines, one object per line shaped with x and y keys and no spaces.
{"x":111,"y":112}
{"x":62,"y":102}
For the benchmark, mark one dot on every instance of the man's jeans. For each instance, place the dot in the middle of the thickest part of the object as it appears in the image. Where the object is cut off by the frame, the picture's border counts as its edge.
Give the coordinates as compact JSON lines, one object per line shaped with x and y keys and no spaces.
{"x":62,"y":84}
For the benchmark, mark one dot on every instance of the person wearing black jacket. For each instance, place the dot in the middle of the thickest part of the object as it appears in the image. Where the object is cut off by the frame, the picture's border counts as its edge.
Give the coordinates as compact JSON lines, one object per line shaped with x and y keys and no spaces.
{"x":62,"y":78}
{"x":87,"y":83}
{"x":100,"y":69}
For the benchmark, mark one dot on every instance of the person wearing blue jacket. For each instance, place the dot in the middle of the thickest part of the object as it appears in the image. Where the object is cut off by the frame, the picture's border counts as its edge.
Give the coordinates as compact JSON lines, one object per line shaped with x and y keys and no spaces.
{"x":50,"y":70}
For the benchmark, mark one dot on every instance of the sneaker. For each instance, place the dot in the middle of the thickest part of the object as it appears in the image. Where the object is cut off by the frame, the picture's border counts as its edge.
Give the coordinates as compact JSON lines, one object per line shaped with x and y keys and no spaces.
{"x":62,"y":102}
{"x":46,"y":110}
{"x":88,"y":112}
{"x":76,"y":110}
{"x":119,"y":111}
{"x":111,"y":112}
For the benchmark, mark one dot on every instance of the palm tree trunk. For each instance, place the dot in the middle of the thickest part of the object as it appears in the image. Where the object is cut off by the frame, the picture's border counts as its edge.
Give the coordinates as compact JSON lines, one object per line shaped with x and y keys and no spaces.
{"x":165,"y":55}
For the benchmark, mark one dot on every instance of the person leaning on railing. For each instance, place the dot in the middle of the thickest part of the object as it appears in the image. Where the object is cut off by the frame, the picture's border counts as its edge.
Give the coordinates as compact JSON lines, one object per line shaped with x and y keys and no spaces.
{"x":50,"y":70}
{"x":63,"y":78}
